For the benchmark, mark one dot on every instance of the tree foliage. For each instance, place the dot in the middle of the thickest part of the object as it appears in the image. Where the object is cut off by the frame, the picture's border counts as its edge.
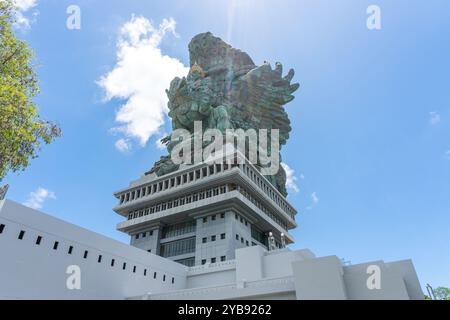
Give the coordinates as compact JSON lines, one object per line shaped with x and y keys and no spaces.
{"x":442,"y":293}
{"x":22,"y":131}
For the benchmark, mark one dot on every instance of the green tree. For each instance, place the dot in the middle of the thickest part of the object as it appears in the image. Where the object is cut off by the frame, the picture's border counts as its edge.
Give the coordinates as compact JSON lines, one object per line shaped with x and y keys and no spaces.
{"x":22,"y":131}
{"x":442,"y":293}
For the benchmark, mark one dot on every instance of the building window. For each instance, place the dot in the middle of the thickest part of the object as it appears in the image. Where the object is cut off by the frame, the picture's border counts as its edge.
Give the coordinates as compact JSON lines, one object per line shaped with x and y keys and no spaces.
{"x":99,"y":260}
{"x":164,"y":278}
{"x":137,"y":236}
{"x":222,"y":236}
{"x":144,"y":234}
{"x":21,"y":234}
{"x":246,"y":224}
{"x":154,"y":275}
{"x":205,"y":220}
{"x":246,"y":243}
{"x":223,"y":258}
{"x":55,"y":245}
{"x":151,"y":233}
{"x":173,"y":280}
{"x":70,"y":250}
{"x":124,"y":266}
{"x":236,"y":216}
{"x":242,"y":220}
{"x":237,"y":237}
{"x":189,"y":262}
{"x":112,"y":262}
{"x":204,"y":261}
{"x":2,"y":227}
{"x":213,"y":260}
{"x":242,"y":240}
{"x":134,"y":269}
{"x":213,"y":217}
{"x":204,"y":240}
{"x":38,"y":240}
{"x":178,"y":247}
{"x":85,"y":254}
{"x":222,"y":215}
{"x":213,"y":238}
{"x":178,"y":229}
{"x":149,"y":250}
{"x":145,"y":272}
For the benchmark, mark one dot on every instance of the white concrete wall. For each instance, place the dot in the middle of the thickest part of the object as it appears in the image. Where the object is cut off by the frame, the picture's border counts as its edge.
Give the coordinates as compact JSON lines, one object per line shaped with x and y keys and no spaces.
{"x":31,"y":271}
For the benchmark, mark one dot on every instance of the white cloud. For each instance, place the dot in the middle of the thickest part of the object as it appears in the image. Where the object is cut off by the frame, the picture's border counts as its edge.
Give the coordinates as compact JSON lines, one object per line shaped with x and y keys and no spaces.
{"x":37,"y":198}
{"x":314,"y":198}
{"x":123,"y":145}
{"x":22,"y":19}
{"x":314,"y":201}
{"x":435,"y":118}
{"x":141,"y":75}
{"x":25,"y":5}
{"x":291,"y":179}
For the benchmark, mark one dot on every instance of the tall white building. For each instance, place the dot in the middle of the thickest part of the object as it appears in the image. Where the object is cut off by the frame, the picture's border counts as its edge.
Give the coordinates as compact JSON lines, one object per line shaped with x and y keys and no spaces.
{"x":202,"y":213}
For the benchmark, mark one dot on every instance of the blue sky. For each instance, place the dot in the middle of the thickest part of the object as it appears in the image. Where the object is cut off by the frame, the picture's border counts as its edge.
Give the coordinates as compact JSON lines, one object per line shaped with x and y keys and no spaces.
{"x":370,"y":147}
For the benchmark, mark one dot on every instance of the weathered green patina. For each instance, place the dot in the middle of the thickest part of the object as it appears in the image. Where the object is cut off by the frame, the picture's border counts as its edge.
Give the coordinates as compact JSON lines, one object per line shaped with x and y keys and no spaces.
{"x":226,"y":90}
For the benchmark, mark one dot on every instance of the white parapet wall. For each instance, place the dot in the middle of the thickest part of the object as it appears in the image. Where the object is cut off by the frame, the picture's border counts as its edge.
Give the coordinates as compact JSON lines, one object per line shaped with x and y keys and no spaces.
{"x":37,"y":250}
{"x":35,"y":266}
{"x":284,"y":274}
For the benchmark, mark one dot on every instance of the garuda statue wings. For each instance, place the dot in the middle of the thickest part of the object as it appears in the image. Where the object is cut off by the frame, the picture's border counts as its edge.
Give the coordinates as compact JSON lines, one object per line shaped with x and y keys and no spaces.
{"x":226,"y":90}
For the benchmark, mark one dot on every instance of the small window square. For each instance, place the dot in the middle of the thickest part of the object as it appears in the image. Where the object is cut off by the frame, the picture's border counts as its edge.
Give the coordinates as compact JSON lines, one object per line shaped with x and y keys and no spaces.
{"x":21,"y":234}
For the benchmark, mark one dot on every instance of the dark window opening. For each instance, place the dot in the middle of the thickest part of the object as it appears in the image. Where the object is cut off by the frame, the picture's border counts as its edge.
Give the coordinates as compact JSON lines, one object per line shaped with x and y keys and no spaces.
{"x":55,"y":245}
{"x":85,"y":254}
{"x":2,"y":227}
{"x":134,"y":269}
{"x":99,"y":258}
{"x":124,"y":266}
{"x":112,"y":262}
{"x":21,"y":234}
{"x":154,"y":275}
{"x":70,"y":250}
{"x":38,"y":240}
